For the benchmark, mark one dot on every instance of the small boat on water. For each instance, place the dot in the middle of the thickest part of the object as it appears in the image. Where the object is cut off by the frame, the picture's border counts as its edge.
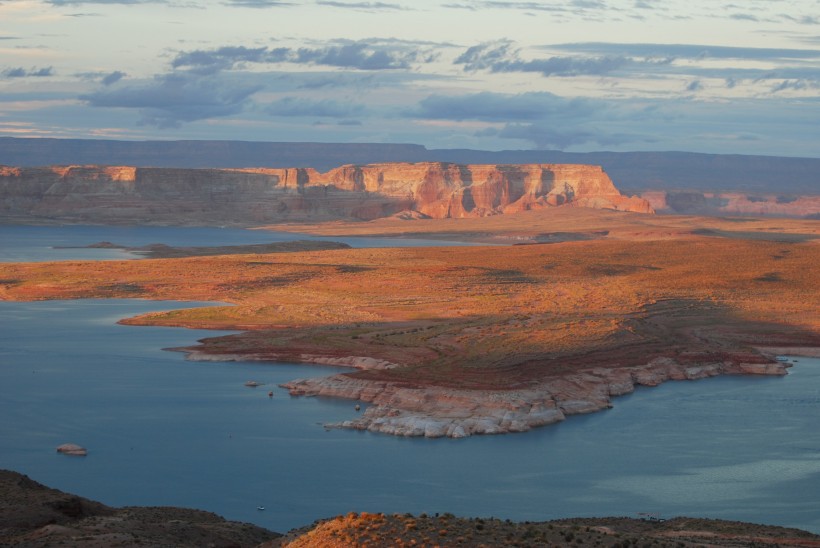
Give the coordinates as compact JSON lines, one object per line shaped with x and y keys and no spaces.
{"x":253,"y":384}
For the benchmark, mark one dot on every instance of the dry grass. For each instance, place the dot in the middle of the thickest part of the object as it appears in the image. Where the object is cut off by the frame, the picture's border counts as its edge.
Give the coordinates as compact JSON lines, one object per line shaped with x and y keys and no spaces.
{"x":405,"y":530}
{"x":567,"y":222}
{"x":480,"y":317}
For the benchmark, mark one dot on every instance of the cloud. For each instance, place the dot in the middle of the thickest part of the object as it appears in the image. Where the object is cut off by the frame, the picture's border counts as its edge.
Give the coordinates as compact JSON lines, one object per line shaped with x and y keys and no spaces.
{"x":325,"y":108}
{"x":501,"y":107}
{"x":540,"y":118}
{"x":20,"y":72}
{"x":503,"y":56}
{"x":542,"y":136}
{"x":297,"y":82}
{"x":361,"y":6}
{"x":803,"y":20}
{"x":123,"y":2}
{"x":357,"y":55}
{"x":797,"y":85}
{"x":559,"y":7}
{"x":112,"y":77}
{"x":227,"y":57}
{"x":687,"y":51}
{"x":171,"y":99}
{"x":258,"y":4}
{"x":364,"y":55}
{"x":694,"y":85}
{"x":744,"y":17}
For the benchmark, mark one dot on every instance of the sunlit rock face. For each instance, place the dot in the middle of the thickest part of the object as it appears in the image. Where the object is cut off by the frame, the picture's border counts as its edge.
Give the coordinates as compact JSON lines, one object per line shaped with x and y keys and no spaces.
{"x":695,"y":202}
{"x":364,"y":192}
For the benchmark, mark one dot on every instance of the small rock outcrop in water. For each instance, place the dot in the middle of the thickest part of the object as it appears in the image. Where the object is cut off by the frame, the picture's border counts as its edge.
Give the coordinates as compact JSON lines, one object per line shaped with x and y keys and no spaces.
{"x":263,"y":195}
{"x":72,"y":449}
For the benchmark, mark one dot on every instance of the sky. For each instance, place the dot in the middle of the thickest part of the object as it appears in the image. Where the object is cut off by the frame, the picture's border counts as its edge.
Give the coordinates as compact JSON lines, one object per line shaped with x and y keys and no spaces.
{"x":740,"y":76}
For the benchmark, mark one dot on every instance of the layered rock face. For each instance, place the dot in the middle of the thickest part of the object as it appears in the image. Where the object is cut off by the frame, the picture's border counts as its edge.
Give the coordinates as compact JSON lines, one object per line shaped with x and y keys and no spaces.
{"x":252,"y":196}
{"x":693,"y":202}
{"x":433,"y":412}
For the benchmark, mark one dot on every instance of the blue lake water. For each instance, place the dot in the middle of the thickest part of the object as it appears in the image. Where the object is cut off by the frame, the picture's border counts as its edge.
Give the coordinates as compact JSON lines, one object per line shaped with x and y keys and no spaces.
{"x":164,"y":431}
{"x":48,"y":243}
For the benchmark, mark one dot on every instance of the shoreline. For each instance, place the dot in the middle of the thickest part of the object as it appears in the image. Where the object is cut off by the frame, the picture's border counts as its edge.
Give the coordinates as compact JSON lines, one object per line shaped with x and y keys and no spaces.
{"x":473,"y":340}
{"x":407,"y":410}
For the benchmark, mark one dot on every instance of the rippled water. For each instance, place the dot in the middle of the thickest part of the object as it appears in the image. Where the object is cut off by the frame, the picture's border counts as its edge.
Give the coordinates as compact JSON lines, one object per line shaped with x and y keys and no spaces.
{"x":164,"y":431}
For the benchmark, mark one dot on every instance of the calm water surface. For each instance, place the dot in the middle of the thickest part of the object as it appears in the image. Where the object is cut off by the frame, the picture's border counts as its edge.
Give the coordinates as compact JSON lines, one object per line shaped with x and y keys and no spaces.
{"x":46,"y":243}
{"x":164,"y":431}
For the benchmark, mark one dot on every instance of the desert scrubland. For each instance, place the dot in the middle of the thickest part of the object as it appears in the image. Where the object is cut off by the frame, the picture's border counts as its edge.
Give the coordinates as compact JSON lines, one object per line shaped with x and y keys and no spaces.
{"x":454,"y":341}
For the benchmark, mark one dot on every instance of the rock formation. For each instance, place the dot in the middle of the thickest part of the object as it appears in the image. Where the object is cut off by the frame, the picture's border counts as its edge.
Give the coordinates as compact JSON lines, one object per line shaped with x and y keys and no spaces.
{"x":695,"y":202}
{"x":72,"y":449}
{"x":33,"y":515}
{"x":430,"y":411}
{"x":265,"y":195}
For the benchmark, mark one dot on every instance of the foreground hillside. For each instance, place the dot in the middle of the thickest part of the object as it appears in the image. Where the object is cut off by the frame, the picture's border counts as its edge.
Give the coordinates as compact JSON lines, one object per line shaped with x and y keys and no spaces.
{"x":33,"y":515}
{"x":377,"y":530}
{"x":479,"y":340}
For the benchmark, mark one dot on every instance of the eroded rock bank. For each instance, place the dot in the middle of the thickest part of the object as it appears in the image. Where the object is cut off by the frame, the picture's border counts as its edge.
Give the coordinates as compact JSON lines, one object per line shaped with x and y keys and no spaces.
{"x":431,"y":411}
{"x":126,"y":194}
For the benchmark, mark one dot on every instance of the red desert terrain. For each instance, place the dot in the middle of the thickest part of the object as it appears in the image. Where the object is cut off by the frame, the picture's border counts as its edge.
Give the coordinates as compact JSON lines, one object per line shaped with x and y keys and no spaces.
{"x":455,"y":341}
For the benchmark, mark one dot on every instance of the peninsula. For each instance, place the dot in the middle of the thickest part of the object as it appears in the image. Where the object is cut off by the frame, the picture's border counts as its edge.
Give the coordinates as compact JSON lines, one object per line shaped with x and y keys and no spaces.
{"x":456,"y":341}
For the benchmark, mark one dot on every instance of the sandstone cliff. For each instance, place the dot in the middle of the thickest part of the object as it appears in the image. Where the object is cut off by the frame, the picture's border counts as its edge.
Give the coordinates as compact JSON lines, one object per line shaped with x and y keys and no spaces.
{"x":263,"y":195}
{"x":694,"y":202}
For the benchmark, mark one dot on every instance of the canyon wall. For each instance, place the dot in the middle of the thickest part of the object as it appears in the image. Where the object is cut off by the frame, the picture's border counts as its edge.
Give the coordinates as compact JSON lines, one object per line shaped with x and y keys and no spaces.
{"x":632,"y":170}
{"x":250,"y":196}
{"x":694,"y":202}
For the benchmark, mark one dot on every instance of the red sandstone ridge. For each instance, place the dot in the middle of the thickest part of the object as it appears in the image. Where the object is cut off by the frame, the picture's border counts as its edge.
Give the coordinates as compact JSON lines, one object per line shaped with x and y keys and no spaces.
{"x":254,"y":195}
{"x":442,"y":190}
{"x":696,"y":202}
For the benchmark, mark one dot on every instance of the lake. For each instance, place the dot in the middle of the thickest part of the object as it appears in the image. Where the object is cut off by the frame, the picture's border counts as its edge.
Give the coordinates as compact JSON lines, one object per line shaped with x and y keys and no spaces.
{"x":164,"y":431}
{"x":65,"y":242}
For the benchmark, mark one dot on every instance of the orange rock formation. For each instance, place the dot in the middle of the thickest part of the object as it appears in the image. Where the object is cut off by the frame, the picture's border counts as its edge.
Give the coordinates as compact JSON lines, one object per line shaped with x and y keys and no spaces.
{"x":249,"y":196}
{"x":695,"y":202}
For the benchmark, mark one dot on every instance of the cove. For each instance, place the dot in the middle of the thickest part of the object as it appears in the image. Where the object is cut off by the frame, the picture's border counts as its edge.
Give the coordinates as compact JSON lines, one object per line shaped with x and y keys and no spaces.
{"x":64,"y":242}
{"x":164,"y":431}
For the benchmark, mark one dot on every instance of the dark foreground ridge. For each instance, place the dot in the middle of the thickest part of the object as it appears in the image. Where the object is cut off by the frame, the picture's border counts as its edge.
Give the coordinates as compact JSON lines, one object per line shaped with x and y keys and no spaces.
{"x":34,"y":515}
